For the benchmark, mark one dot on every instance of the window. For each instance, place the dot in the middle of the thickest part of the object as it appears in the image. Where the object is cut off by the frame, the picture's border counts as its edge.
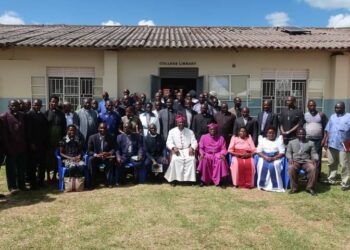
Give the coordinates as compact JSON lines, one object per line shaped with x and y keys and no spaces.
{"x":74,"y":84}
{"x":279,"y":84}
{"x":221,"y":85}
{"x":71,"y":89}
{"x":228,"y":87}
{"x":279,"y":90}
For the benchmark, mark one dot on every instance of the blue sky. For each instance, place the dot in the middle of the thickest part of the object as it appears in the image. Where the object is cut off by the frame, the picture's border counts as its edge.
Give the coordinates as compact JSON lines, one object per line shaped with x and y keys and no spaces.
{"x":304,"y":13}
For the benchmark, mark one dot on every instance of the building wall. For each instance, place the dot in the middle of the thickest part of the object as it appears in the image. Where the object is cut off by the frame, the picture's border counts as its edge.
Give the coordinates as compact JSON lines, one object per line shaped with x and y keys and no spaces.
{"x":19,"y":65}
{"x":136,"y":66}
{"x":132,"y":68}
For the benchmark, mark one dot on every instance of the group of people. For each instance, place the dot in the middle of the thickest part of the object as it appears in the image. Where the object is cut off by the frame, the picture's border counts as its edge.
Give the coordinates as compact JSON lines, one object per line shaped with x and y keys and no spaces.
{"x":177,"y":137}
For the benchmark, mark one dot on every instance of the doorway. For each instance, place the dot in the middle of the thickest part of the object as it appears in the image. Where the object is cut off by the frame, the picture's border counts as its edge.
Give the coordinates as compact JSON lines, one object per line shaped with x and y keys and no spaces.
{"x":176,"y":79}
{"x":184,"y":84}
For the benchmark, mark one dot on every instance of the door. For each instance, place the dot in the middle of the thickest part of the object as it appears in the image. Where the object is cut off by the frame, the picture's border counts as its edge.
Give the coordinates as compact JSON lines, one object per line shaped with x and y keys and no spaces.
{"x":199,"y":85}
{"x":155,"y":85}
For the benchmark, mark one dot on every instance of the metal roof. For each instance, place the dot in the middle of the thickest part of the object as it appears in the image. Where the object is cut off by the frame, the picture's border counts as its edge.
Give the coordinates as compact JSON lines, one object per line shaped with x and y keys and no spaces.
{"x":123,"y":37}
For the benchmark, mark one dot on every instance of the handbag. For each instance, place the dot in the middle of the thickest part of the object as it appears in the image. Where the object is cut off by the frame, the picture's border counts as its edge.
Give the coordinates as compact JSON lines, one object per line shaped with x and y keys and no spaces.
{"x":74,"y":184}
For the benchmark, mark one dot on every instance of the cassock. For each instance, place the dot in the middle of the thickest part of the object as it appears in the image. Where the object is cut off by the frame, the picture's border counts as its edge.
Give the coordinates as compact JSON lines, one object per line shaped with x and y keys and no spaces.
{"x":212,"y":168}
{"x":225,"y":122}
{"x":200,"y":124}
{"x":183,"y":166}
{"x":57,"y":127}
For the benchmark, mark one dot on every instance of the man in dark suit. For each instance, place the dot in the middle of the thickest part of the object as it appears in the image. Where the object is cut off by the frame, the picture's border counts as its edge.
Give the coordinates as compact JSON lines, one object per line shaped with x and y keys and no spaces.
{"x":201,"y":122}
{"x":129,"y":150}
{"x":267,"y":119}
{"x":179,"y":103}
{"x":15,"y":146}
{"x":249,"y":123}
{"x":167,"y":118}
{"x":226,"y":121}
{"x":188,"y":113}
{"x":38,"y":141}
{"x":101,"y":148}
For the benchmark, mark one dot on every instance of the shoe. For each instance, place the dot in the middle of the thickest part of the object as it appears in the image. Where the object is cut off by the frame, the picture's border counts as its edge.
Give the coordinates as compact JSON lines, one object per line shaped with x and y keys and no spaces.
{"x":293,"y":191}
{"x":201,"y":184}
{"x":344,"y":188}
{"x":14,"y":191}
{"x":328,"y":182}
{"x":311,"y":191}
{"x":2,"y":196}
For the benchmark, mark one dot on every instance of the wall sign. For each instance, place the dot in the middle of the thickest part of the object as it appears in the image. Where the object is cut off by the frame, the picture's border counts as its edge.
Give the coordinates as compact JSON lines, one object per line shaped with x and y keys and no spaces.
{"x":179,"y":63}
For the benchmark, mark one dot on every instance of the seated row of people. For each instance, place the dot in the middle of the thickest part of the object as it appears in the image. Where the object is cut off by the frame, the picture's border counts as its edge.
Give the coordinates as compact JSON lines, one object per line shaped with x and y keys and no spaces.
{"x":212,"y":167}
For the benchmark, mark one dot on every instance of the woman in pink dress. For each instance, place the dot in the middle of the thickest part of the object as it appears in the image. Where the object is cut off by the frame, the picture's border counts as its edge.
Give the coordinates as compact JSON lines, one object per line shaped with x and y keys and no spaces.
{"x":242,"y":166}
{"x":212,"y":166}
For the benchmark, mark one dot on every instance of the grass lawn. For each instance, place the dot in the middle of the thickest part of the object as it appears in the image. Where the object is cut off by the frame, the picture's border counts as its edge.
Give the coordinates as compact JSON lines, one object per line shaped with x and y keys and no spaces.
{"x":181,"y":217}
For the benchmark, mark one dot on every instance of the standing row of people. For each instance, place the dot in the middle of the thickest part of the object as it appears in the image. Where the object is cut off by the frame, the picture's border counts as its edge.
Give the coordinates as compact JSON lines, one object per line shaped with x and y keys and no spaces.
{"x":38,"y":135}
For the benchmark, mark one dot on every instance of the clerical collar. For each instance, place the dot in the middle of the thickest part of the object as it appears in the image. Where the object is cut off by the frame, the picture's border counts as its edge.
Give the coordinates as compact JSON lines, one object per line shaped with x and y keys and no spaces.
{"x":313,"y":113}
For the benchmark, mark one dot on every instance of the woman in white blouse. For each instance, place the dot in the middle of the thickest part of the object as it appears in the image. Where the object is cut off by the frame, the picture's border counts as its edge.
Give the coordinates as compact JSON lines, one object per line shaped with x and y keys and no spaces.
{"x":271,"y":162}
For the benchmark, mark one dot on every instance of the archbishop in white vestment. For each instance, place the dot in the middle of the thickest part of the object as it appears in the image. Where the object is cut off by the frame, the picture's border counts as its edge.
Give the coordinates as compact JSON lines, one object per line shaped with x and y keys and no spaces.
{"x":182,"y":143}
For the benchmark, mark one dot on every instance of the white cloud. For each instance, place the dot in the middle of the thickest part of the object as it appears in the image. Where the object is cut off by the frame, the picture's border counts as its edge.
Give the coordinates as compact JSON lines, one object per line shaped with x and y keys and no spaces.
{"x":146,"y":23}
{"x":110,"y":23}
{"x":11,"y":17}
{"x":329,"y":4}
{"x":279,"y":19}
{"x":339,"y":21}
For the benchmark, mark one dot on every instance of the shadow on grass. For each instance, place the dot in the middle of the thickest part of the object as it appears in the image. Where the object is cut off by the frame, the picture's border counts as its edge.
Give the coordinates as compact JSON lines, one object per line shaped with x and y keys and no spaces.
{"x":28,"y":198}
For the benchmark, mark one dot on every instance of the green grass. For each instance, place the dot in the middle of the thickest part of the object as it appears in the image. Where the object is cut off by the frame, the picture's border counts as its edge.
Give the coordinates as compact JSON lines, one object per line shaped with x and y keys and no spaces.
{"x":182,"y":217}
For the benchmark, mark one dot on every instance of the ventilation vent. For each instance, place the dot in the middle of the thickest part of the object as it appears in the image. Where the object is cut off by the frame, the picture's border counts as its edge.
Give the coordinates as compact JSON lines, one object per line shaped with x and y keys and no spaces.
{"x":296,"y":31}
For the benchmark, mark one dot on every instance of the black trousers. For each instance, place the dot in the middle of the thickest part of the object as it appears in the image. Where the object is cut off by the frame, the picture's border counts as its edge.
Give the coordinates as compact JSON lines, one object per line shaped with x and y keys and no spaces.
{"x":15,"y":168}
{"x":108,"y":165}
{"x":37,"y":168}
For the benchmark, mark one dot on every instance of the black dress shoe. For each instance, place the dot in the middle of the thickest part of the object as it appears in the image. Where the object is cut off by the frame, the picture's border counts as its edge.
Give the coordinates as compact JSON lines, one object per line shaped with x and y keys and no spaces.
{"x":345,"y":188}
{"x":293,"y":191}
{"x":311,"y":191}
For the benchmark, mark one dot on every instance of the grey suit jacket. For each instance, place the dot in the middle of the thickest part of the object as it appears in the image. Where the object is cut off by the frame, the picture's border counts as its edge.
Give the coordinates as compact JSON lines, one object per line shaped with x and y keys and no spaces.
{"x":301,"y":151}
